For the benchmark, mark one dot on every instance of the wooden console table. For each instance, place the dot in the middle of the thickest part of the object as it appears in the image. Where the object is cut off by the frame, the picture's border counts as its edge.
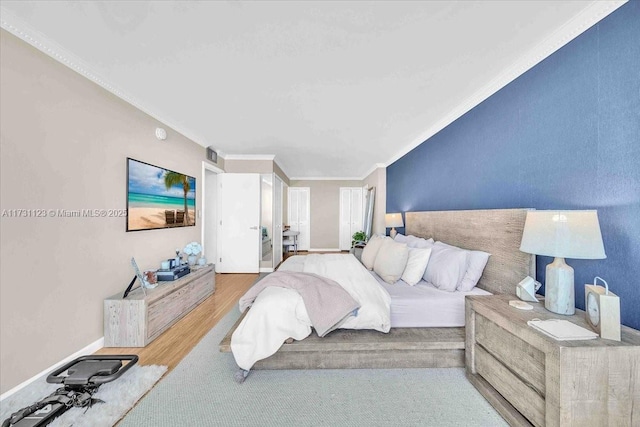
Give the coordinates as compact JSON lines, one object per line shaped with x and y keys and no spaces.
{"x":137,"y":320}
{"x":532,"y":379}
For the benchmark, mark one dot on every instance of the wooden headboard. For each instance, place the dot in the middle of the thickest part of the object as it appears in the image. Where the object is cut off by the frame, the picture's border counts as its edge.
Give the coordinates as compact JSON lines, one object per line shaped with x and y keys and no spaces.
{"x":496,"y":231}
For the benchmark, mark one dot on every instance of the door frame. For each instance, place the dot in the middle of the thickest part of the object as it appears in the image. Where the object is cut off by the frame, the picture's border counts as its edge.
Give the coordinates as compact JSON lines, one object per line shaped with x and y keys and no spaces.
{"x":206,"y":167}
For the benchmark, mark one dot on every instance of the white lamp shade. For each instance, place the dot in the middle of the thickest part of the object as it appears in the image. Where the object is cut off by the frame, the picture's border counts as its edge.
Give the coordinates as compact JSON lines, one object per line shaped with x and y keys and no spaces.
{"x":563,"y":234}
{"x":393,"y":220}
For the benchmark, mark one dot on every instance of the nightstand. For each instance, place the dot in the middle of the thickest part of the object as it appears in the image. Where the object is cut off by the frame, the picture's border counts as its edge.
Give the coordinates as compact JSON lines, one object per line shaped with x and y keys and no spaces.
{"x":357,"y":251}
{"x":532,"y":379}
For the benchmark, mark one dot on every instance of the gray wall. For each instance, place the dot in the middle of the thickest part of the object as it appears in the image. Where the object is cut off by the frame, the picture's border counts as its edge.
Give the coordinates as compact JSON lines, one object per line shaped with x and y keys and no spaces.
{"x":64,"y":145}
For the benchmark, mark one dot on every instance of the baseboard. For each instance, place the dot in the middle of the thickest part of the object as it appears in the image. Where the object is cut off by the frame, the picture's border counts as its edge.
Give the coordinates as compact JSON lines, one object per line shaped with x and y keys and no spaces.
{"x":324,"y":250}
{"x":90,"y":349}
{"x":266,"y":269}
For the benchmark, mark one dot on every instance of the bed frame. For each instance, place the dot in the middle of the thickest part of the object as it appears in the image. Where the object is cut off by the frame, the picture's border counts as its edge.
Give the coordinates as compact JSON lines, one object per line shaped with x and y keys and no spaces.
{"x":496,"y":231}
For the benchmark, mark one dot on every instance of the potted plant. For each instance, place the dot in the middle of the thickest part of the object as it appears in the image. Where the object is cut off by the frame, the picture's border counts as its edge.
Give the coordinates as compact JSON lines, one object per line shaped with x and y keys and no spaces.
{"x":359,"y":237}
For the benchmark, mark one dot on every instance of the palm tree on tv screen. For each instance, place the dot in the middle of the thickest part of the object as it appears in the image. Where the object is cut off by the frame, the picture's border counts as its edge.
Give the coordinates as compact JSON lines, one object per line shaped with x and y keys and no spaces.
{"x":174,"y":178}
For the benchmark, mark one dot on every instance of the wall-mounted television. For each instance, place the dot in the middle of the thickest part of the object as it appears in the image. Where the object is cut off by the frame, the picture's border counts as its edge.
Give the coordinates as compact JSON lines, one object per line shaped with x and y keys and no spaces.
{"x":159,"y":197}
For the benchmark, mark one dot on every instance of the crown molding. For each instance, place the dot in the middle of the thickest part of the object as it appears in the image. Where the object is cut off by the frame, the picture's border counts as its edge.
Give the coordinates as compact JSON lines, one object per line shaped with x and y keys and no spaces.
{"x":325,"y":178}
{"x":40,"y":41}
{"x":373,"y":169}
{"x":569,"y":31}
{"x":341,"y":178}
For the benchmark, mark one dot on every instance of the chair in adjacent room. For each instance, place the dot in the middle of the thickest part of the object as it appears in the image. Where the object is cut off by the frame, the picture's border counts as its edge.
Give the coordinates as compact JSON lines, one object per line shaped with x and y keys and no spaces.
{"x":290,"y":240}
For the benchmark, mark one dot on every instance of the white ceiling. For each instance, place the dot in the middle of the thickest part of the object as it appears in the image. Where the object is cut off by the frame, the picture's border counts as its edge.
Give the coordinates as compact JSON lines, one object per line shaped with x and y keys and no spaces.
{"x":330,"y":88}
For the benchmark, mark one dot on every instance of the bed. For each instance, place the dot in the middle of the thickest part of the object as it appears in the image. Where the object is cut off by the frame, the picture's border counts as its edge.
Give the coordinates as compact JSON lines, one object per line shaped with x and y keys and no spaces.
{"x":494,"y":231}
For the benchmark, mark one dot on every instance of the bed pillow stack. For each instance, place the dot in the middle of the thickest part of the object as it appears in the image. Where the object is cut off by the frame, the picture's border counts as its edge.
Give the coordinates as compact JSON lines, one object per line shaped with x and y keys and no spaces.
{"x":412,"y":259}
{"x":451,"y":268}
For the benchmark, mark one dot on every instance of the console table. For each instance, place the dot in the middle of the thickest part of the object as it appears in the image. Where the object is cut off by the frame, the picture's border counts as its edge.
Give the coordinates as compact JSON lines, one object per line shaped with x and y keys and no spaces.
{"x":138,"y":319}
{"x":532,"y":379}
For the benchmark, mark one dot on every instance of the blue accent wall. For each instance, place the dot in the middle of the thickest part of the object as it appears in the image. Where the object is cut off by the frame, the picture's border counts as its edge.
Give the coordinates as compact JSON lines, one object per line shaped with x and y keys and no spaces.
{"x":564,"y":135}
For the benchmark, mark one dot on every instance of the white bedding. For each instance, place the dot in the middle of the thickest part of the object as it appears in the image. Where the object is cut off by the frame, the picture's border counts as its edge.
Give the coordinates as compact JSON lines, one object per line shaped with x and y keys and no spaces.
{"x":280,"y":313}
{"x":423,"y":305}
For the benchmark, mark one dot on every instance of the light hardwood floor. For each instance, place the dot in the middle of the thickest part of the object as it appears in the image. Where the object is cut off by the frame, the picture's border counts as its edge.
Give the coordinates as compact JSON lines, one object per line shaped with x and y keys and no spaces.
{"x":175,"y":343}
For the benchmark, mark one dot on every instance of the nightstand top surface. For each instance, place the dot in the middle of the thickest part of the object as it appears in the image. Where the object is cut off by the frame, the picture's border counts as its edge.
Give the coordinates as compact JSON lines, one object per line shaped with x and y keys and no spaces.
{"x":498,"y":305}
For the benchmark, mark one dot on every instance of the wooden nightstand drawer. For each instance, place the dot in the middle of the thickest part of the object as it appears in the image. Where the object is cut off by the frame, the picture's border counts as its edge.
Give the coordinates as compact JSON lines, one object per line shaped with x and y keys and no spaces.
{"x":524,"y":360}
{"x":524,"y":398}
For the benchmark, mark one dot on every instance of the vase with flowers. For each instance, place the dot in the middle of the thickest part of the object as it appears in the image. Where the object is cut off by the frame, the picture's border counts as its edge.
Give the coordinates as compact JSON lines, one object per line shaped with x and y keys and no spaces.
{"x":192,"y":250}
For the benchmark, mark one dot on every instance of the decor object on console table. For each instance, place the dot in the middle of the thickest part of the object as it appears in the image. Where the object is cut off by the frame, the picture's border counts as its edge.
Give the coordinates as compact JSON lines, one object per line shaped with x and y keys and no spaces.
{"x":192,"y":250}
{"x":562,"y":234}
{"x":140,"y":318}
{"x":531,"y":378}
{"x":392,"y":221}
{"x":602,"y":310}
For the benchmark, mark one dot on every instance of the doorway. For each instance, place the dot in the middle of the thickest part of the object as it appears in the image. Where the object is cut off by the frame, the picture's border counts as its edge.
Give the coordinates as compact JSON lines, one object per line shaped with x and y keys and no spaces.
{"x":299,"y":215}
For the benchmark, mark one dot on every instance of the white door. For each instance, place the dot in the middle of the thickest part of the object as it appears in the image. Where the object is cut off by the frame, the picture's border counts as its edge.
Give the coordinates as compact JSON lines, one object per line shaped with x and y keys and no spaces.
{"x":299,"y":215}
{"x":239,"y":238}
{"x":351,"y":213}
{"x":277,"y":221}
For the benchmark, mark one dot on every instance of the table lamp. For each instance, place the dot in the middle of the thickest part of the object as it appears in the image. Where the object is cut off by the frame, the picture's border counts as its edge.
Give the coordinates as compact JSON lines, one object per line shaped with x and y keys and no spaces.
{"x":562,"y":234}
{"x":393,"y":220}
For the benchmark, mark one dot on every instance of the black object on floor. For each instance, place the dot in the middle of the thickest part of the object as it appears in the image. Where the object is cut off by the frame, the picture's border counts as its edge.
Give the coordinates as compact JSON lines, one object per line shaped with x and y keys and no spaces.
{"x":83,"y":377}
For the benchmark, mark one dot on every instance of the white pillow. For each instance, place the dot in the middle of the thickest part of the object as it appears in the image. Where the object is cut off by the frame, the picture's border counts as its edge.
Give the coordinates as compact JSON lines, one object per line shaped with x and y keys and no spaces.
{"x":419,"y":242}
{"x":391,"y":260}
{"x":400,"y":238}
{"x":447,"y":267}
{"x":413,"y":241}
{"x":477,"y":261}
{"x":416,"y":265}
{"x":370,"y":251}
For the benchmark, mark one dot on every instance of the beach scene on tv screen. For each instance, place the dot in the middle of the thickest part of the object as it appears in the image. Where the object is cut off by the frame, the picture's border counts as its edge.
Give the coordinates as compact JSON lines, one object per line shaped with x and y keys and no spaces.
{"x":158,"y":197}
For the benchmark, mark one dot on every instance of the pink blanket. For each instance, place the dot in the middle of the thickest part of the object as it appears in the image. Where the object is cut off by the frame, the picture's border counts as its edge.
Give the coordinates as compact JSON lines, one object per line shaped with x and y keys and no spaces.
{"x":327,"y":302}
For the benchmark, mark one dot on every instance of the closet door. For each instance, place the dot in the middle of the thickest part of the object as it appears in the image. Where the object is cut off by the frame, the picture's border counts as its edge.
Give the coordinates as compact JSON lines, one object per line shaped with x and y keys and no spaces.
{"x":299,"y":215}
{"x":356,"y":211}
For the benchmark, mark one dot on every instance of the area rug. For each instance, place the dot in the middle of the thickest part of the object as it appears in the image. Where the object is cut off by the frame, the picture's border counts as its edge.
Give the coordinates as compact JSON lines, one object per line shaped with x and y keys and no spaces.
{"x":119,"y":396}
{"x":201,"y":391}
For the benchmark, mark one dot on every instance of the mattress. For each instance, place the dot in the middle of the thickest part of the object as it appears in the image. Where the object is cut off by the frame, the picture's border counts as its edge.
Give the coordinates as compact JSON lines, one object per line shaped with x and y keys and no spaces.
{"x":423,"y":305}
